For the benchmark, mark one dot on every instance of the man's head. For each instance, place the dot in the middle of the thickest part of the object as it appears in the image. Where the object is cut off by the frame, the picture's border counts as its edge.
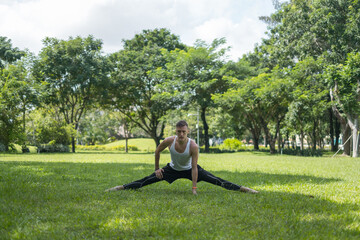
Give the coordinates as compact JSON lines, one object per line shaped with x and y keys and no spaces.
{"x":182,"y":123}
{"x":182,"y":130}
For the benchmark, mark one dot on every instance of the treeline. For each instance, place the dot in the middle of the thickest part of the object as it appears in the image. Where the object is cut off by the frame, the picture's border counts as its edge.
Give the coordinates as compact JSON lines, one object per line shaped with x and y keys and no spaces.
{"x":302,"y":80}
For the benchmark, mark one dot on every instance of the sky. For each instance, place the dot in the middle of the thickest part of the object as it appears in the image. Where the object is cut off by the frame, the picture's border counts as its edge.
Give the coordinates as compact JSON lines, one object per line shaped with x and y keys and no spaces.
{"x":27,"y":22}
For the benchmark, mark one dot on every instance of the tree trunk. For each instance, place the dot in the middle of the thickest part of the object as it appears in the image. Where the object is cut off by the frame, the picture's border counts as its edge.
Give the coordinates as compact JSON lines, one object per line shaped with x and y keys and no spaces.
{"x":126,"y":145}
{"x":345,"y":129}
{"x":256,"y":143}
{"x":24,"y":128}
{"x":265,"y":141}
{"x":154,"y":130}
{"x":346,"y":135}
{"x":337,"y":134}
{"x":76,"y":126}
{"x":302,"y":140}
{"x":206,"y":129}
{"x":268,"y":137}
{"x":157,"y":141}
{"x":256,"y":137}
{"x":354,"y":125}
{"x":73,"y":144}
{"x":314,"y":135}
{"x":279,"y":142}
{"x":331,"y":130}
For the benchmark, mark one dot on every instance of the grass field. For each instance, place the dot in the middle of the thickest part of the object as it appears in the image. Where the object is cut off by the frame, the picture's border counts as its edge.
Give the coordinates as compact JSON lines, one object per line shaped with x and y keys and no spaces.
{"x":61,"y":196}
{"x":143,"y":144}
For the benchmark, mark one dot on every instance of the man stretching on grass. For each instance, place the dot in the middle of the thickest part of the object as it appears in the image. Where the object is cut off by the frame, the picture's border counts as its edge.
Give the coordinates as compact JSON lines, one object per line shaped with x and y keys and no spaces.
{"x":184,"y":156}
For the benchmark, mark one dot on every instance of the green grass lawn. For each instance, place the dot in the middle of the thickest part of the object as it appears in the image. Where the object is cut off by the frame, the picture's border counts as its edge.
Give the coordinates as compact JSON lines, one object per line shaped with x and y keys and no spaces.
{"x":61,"y":196}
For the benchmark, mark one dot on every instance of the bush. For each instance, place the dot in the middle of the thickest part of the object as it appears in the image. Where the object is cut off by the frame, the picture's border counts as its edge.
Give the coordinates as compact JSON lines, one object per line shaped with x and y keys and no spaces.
{"x":49,"y":130}
{"x":52,"y":148}
{"x":232,"y":145}
{"x":25,"y":149}
{"x":91,"y":147}
{"x":2,"y":147}
{"x":122,"y":148}
{"x":216,"y":150}
{"x":304,"y":153}
{"x":105,"y":148}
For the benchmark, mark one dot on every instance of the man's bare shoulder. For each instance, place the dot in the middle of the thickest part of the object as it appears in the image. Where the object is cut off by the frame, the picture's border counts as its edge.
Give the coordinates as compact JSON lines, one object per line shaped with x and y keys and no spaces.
{"x":168,"y":140}
{"x":193,"y":145}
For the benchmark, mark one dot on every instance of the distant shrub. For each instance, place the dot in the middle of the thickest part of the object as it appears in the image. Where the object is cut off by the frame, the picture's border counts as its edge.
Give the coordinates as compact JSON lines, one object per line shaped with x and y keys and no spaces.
{"x":232,"y":145}
{"x":25,"y":149}
{"x":91,"y":147}
{"x":2,"y":147}
{"x":304,"y":153}
{"x":52,"y":148}
{"x":122,"y":148}
{"x":216,"y":150}
{"x":105,"y":148}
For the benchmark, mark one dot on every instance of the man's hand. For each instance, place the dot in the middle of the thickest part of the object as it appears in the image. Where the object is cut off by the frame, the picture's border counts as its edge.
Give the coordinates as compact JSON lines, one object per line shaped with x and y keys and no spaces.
{"x":194,"y":191}
{"x":159,"y":173}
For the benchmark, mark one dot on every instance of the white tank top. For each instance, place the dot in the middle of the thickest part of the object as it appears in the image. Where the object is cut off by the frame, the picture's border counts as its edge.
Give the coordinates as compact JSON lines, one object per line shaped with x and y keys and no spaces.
{"x":180,"y":161}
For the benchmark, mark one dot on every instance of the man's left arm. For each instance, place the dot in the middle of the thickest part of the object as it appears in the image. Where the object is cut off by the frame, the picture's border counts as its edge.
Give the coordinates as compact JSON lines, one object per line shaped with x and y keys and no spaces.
{"x":194,"y":172}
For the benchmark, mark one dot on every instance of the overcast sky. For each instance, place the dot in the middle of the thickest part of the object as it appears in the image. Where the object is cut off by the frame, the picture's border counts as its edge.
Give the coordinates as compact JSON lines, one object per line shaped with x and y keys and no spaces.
{"x":28,"y":22}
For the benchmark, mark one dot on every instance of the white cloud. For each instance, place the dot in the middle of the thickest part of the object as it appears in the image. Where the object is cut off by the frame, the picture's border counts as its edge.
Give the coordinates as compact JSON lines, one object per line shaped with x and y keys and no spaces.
{"x":27,"y":22}
{"x":240,"y":36}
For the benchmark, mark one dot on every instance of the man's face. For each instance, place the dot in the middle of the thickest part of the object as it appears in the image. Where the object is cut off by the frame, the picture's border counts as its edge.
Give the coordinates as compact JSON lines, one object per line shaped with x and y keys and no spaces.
{"x":182,"y":132}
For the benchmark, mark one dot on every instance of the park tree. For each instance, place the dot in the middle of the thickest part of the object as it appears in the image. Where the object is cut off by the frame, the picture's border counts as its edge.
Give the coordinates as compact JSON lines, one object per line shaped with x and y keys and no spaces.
{"x":242,"y":115}
{"x":10,"y":110}
{"x":345,"y":94}
{"x":12,"y":94}
{"x":8,"y":54}
{"x":137,"y":87}
{"x":263,"y":101}
{"x":319,"y":29}
{"x":309,"y":100}
{"x":24,"y":89}
{"x":74,"y":74}
{"x":196,"y":74}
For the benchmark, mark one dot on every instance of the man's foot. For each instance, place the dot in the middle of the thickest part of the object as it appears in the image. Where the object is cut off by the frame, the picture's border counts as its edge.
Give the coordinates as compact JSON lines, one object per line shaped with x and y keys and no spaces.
{"x":248,"y":190}
{"x":117,"y":188}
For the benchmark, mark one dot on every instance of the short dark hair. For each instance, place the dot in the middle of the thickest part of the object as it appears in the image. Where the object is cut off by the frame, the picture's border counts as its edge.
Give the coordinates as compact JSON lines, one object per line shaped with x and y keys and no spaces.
{"x":182,"y":123}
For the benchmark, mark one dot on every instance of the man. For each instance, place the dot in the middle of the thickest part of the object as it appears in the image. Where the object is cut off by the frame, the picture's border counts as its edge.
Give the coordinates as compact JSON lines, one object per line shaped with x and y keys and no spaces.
{"x":184,"y":157}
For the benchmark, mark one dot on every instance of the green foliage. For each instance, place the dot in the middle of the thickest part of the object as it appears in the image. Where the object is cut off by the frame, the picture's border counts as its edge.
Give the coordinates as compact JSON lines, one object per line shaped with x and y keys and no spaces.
{"x":17,"y":94}
{"x":136,"y":82}
{"x":304,"y":152}
{"x":46,"y":126}
{"x":53,"y":148}
{"x":8,"y":54}
{"x":195,"y":74}
{"x":2,"y":147}
{"x":232,"y":144}
{"x":309,"y":99}
{"x":74,"y":75}
{"x":97,"y":127}
{"x":106,"y":148}
{"x":345,"y":81}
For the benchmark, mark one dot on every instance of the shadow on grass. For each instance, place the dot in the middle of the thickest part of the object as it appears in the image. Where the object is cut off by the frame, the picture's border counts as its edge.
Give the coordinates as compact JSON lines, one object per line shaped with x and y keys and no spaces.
{"x":45,"y":199}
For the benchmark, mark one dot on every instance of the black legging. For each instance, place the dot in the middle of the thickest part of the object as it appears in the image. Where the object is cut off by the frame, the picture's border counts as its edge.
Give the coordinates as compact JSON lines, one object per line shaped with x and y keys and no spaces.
{"x":170,"y":175}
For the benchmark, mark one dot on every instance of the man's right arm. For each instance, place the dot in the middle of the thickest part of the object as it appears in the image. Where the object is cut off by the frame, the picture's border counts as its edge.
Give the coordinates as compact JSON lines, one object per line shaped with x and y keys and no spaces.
{"x":164,"y":144}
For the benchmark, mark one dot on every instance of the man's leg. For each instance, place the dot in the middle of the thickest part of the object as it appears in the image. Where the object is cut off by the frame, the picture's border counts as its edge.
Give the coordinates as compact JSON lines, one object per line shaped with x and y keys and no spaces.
{"x":169,"y":175}
{"x":137,"y":184}
{"x":206,"y":176}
